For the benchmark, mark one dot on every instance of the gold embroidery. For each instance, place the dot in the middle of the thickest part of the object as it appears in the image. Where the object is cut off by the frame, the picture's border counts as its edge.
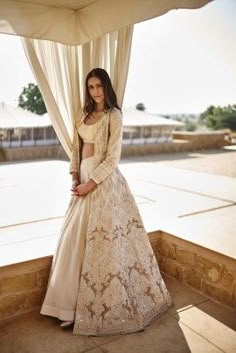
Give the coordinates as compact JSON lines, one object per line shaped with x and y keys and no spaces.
{"x":97,"y":232}
{"x":150,"y":294}
{"x":138,"y":269}
{"x":105,"y":311}
{"x":127,"y":307}
{"x":118,"y":231}
{"x":133,"y":222}
{"x":90,"y":310}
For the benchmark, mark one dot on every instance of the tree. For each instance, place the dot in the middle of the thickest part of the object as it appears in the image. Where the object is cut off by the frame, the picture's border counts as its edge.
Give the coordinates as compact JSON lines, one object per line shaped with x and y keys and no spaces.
{"x":32,"y":100}
{"x":140,"y":106}
{"x":190,"y":125}
{"x":220,"y":117}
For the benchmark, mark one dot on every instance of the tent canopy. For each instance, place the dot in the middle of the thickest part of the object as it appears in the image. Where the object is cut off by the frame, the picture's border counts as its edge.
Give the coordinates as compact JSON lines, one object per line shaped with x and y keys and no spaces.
{"x":135,"y":117}
{"x":16,"y":117}
{"x":76,"y":22}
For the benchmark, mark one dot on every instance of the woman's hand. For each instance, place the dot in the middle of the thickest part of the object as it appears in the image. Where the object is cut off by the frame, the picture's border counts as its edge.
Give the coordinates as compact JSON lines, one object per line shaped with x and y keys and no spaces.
{"x":83,"y":189}
{"x":74,"y":184}
{"x":75,"y":180}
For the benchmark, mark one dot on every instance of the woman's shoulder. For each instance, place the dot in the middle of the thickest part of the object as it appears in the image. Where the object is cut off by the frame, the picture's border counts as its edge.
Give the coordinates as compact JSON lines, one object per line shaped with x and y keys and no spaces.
{"x":115,"y":112}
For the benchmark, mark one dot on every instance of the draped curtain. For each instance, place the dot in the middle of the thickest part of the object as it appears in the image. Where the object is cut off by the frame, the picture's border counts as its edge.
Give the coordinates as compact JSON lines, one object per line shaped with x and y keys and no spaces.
{"x":60,"y":71}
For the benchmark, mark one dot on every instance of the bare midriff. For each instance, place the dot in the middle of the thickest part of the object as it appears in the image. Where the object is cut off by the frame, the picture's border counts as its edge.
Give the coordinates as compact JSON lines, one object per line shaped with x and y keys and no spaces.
{"x":87,"y":150}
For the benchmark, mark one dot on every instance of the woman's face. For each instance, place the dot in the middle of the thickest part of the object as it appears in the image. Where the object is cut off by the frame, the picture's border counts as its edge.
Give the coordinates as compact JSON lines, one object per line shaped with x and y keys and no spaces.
{"x":95,"y":89}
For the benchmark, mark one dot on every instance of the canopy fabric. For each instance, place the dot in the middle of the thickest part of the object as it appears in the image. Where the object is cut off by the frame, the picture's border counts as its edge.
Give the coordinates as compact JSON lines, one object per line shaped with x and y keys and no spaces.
{"x":75,"y":22}
{"x":60,"y":71}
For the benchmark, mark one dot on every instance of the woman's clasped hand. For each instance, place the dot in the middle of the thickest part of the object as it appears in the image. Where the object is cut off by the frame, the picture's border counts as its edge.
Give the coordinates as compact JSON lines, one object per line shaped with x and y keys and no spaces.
{"x":79,"y":189}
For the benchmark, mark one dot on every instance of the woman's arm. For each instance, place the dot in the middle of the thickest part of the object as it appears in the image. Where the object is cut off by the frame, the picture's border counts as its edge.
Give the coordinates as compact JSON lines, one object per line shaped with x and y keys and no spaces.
{"x":114,"y":147}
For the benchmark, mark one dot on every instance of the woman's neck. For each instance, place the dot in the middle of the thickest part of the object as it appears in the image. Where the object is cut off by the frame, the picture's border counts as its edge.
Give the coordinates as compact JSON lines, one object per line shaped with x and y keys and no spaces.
{"x":99,"y":107}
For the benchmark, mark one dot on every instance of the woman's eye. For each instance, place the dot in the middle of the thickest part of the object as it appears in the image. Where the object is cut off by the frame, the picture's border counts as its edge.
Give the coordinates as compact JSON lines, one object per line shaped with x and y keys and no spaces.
{"x":98,"y":85}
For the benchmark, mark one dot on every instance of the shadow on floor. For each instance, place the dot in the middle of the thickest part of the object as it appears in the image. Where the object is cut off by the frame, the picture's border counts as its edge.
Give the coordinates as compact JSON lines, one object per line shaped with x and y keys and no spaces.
{"x":181,"y":329}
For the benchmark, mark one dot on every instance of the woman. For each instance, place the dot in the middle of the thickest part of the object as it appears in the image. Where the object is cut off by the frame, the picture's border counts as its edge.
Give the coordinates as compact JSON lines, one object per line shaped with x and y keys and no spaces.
{"x":104,"y":277}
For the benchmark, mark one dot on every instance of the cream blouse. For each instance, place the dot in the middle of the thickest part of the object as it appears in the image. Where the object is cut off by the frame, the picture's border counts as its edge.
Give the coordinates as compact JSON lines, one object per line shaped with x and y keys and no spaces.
{"x":107,"y":144}
{"x":87,"y":132}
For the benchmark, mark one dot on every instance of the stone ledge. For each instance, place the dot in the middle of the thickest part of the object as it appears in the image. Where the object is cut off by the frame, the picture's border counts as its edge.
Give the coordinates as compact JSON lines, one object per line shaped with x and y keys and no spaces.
{"x":23,"y":285}
{"x":181,"y":142}
{"x":210,"y":273}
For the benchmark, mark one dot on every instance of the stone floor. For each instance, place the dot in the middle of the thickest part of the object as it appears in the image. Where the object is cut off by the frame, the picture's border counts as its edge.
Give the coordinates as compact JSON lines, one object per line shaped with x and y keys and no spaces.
{"x":195,"y":324}
{"x":219,"y":161}
{"x":192,"y":193}
{"x":170,"y":190}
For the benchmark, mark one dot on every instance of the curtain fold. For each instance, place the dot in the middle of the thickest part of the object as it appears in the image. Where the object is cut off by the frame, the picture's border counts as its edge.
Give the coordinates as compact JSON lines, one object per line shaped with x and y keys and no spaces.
{"x":60,"y":71}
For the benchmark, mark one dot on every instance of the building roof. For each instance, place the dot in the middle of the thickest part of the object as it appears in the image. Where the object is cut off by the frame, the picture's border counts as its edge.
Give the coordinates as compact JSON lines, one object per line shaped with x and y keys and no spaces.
{"x":14,"y":117}
{"x":134,"y":117}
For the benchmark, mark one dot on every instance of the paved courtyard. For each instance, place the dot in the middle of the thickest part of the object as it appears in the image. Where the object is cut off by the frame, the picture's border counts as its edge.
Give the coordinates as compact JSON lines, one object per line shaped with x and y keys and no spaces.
{"x":171,"y":191}
{"x":194,"y":325}
{"x":190,"y":193}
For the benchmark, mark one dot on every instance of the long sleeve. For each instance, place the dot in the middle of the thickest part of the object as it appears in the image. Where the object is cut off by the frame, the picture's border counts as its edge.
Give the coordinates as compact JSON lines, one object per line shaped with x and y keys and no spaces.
{"x":74,"y":162}
{"x":114,"y":146}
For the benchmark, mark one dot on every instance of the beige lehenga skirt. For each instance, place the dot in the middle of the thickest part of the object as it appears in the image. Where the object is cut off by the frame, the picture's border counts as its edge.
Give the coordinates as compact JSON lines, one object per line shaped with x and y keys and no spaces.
{"x":63,"y":284}
{"x":104,"y":274}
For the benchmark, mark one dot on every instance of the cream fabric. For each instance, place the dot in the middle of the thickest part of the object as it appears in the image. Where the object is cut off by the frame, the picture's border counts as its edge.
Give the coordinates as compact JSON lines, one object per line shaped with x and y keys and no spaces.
{"x":104,"y":274}
{"x":60,"y":71}
{"x":76,"y":22}
{"x":63,"y":284}
{"x":87,"y":132}
{"x":107,"y":144}
{"x":113,"y":146}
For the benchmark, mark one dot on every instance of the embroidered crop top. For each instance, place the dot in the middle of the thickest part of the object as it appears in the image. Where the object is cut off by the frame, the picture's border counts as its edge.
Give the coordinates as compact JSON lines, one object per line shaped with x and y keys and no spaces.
{"x":87,"y":132}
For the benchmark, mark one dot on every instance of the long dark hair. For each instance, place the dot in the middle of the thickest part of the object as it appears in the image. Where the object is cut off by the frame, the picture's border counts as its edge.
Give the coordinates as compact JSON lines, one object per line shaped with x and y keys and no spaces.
{"x":110,"y":100}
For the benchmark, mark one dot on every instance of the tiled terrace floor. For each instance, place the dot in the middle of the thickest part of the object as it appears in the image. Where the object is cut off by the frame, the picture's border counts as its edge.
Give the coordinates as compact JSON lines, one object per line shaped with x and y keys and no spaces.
{"x":203,"y":182}
{"x":171,"y":192}
{"x":195,"y":324}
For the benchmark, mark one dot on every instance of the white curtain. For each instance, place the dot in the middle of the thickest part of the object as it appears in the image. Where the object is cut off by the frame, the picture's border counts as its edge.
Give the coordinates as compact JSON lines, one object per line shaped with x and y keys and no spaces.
{"x":60,"y":71}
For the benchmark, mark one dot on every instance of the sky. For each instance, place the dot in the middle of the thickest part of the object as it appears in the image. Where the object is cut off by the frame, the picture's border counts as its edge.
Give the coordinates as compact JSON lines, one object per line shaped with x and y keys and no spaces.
{"x":180,"y":62}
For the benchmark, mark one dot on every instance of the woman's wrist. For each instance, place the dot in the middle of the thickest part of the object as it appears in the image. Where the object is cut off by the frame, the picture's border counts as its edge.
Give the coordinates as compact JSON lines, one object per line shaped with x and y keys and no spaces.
{"x":91,"y":183}
{"x":75,"y":177}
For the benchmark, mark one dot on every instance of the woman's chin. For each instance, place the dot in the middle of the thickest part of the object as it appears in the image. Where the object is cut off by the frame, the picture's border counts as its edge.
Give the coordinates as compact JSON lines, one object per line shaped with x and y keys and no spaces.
{"x":101,"y":101}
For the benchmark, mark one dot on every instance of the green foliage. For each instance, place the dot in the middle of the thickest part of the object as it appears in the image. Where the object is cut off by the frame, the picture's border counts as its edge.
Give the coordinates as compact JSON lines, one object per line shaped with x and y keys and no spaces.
{"x":140,"y":106}
{"x":220,"y":117}
{"x":32,"y":100}
{"x":190,"y":125}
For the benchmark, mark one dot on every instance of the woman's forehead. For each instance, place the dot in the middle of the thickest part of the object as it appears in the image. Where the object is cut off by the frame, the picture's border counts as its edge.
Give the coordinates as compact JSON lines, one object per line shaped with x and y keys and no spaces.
{"x":93,"y":80}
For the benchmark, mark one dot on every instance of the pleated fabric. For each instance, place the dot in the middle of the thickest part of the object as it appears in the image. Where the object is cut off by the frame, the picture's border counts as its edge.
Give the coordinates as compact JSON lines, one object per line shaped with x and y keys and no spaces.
{"x":63,"y":283}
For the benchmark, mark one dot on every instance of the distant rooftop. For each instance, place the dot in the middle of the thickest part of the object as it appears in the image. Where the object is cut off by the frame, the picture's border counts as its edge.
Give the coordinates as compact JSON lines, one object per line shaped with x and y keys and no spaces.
{"x":16,"y":117}
{"x":134,"y":117}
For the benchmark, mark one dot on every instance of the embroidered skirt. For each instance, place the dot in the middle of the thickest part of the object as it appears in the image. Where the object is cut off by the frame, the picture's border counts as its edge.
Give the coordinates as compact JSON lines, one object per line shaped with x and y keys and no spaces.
{"x":104,"y":274}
